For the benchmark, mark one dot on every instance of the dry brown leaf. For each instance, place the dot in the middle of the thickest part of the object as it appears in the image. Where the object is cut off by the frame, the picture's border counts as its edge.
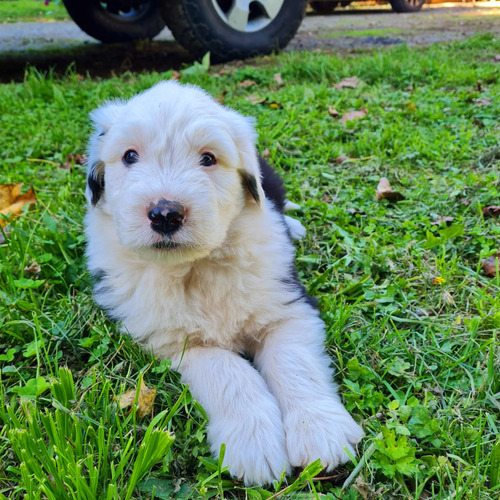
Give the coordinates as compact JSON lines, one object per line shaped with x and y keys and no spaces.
{"x":255,"y":99}
{"x":74,"y":159}
{"x":448,"y":299}
{"x":176,"y":75}
{"x":332,"y":111}
{"x":277,"y":78}
{"x":221,"y":98}
{"x":12,"y":201}
{"x":441,"y":220}
{"x":33,"y":268}
{"x":266,"y":153}
{"x":352,"y":115}
{"x":491,"y":211}
{"x":351,"y":82}
{"x":341,"y":159}
{"x":385,"y":192}
{"x":145,"y":399}
{"x":482,"y":101}
{"x":246,"y":83}
{"x":490,"y":265}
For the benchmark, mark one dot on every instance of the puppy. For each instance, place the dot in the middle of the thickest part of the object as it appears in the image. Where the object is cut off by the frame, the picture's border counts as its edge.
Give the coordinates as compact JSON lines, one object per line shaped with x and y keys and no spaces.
{"x":194,"y":257}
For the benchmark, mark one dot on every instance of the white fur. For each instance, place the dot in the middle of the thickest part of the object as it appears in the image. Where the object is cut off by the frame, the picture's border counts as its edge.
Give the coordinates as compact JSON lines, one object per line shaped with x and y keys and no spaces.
{"x":225,"y":290}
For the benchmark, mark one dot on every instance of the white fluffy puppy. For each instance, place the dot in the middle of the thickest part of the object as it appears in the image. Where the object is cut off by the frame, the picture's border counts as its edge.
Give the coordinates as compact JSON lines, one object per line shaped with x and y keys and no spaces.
{"x":193,"y":256}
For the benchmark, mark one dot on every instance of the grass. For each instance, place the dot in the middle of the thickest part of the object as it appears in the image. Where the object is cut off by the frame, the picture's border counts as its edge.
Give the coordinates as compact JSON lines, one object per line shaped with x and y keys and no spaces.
{"x":15,"y":11}
{"x":417,"y":358}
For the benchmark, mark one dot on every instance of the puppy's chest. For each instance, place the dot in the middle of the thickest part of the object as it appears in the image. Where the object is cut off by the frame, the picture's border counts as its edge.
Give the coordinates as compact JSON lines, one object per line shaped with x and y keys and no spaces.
{"x":211,"y":304}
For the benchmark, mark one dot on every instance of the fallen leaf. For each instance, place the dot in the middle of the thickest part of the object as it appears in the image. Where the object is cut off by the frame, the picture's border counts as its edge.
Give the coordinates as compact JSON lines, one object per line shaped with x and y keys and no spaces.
{"x":411,"y":107}
{"x":351,"y":82}
{"x":220,"y":99}
{"x":33,"y":268}
{"x":385,"y":192}
{"x":352,"y":115}
{"x":246,"y":83}
{"x":277,"y":78}
{"x":497,"y":58}
{"x":145,"y":399}
{"x":355,"y":211}
{"x":176,"y":75}
{"x":341,"y":159}
{"x":442,"y":220}
{"x":266,"y":153}
{"x":491,"y":211}
{"x":448,"y":299}
{"x":483,"y":101}
{"x":332,"y":111}
{"x":74,"y":159}
{"x":490,"y":265}
{"x":255,"y":99}
{"x":465,"y":201}
{"x":438,"y":280}
{"x":12,"y":201}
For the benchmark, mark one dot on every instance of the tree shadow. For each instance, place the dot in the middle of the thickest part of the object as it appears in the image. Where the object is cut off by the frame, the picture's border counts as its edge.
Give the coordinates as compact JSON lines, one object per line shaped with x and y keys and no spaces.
{"x":95,"y":60}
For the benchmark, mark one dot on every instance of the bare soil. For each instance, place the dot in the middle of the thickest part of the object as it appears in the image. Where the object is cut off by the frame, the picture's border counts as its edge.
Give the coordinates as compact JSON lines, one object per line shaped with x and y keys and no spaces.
{"x":58,"y":45}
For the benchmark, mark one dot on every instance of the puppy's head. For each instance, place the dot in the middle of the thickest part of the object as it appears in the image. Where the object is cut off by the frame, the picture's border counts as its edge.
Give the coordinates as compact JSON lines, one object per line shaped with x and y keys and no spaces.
{"x":172,"y":168}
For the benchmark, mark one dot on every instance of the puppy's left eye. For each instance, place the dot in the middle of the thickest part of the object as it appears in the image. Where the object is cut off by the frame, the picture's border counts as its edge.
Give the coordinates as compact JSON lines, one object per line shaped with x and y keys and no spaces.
{"x":207,"y":160}
{"x":130,"y":157}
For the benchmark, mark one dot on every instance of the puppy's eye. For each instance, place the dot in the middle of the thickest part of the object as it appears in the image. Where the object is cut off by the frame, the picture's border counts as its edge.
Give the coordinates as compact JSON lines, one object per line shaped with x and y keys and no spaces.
{"x":130,"y":157}
{"x":207,"y":160}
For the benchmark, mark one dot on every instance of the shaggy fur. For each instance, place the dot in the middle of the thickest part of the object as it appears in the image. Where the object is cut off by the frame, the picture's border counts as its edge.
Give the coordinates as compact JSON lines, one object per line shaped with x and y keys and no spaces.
{"x":221,"y":286}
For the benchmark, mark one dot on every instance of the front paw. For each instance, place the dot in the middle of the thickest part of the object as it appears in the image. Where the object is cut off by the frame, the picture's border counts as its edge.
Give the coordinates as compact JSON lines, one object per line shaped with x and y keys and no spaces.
{"x":255,"y":447}
{"x":320,"y":432}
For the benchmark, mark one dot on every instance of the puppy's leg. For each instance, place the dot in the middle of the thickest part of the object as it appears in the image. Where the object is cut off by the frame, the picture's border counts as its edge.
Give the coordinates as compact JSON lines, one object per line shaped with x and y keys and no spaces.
{"x":242,"y":413}
{"x":297,"y":370}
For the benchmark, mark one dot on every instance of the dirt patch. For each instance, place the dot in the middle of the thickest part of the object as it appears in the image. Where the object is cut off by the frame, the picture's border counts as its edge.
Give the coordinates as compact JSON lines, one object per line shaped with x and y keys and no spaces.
{"x":60,"y":45}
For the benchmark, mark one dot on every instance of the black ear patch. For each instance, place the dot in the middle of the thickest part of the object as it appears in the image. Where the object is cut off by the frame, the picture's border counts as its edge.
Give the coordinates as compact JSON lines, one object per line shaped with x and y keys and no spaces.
{"x":250,"y":183}
{"x":95,"y":180}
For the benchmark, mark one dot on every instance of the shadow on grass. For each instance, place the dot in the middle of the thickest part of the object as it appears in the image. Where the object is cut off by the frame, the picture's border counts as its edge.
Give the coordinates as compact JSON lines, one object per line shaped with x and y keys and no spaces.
{"x":101,"y":60}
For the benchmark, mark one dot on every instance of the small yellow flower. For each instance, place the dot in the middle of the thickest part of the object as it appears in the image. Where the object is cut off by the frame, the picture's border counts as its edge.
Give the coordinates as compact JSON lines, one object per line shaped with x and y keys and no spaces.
{"x":438,"y":280}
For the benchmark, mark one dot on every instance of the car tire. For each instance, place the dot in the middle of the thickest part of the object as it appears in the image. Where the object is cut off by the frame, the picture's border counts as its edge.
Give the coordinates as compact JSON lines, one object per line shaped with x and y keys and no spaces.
{"x":105,"y":22}
{"x":202,"y":26}
{"x":406,"y":5}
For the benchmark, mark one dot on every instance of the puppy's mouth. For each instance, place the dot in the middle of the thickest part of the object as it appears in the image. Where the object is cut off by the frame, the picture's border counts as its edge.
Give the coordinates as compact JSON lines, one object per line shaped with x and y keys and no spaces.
{"x":166,"y":245}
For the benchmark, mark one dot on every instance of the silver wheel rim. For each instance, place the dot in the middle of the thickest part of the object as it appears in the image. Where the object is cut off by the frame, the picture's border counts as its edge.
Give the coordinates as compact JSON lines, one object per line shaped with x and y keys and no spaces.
{"x":247,"y":16}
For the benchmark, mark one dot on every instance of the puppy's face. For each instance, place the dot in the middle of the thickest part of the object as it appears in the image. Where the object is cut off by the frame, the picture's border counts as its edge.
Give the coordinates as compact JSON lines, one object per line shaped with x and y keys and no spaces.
{"x":172,"y":168}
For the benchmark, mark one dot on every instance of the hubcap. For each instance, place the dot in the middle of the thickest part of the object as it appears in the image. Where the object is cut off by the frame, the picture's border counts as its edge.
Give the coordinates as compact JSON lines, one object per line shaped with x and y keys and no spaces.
{"x":247,"y":15}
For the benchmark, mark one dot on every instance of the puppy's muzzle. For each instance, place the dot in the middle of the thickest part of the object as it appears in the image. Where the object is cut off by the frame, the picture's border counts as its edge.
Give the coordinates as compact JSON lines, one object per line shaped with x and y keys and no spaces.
{"x":166,"y":216}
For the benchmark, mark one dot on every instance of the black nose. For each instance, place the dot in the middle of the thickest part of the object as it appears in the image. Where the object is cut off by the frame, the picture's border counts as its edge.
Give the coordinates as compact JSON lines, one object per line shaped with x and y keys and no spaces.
{"x":166,"y":216}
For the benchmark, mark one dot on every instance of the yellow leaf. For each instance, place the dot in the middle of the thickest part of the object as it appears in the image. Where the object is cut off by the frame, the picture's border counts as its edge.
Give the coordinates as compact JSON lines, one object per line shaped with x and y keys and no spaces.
{"x":145,"y":399}
{"x":12,"y":201}
{"x":438,"y":280}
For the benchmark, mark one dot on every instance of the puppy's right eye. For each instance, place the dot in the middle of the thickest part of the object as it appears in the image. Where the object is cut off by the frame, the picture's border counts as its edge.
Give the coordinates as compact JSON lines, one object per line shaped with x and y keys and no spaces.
{"x":130,"y":157}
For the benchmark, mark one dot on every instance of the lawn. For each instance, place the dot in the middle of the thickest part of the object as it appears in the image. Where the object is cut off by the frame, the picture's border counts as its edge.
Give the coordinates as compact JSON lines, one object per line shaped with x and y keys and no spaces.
{"x":14,"y":11}
{"x":412,"y":319}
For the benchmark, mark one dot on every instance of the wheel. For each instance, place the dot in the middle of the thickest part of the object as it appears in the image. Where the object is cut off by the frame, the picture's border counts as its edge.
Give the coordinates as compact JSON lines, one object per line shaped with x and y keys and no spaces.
{"x":324,"y":7}
{"x":115,"y":21}
{"x":233,"y":29}
{"x":406,"y":5}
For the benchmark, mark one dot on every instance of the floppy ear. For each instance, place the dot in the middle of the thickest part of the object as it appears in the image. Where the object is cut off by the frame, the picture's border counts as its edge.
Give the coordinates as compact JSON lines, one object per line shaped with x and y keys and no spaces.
{"x":103,"y":119}
{"x":251,"y":176}
{"x":95,"y":181}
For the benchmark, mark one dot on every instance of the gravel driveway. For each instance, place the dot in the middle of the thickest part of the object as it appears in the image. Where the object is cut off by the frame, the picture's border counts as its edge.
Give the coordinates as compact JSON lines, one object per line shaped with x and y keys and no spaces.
{"x":57,"y":44}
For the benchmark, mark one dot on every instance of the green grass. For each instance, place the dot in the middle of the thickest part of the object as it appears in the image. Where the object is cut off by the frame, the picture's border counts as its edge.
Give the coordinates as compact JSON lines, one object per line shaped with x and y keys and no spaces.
{"x":15,"y":11}
{"x":417,"y":362}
